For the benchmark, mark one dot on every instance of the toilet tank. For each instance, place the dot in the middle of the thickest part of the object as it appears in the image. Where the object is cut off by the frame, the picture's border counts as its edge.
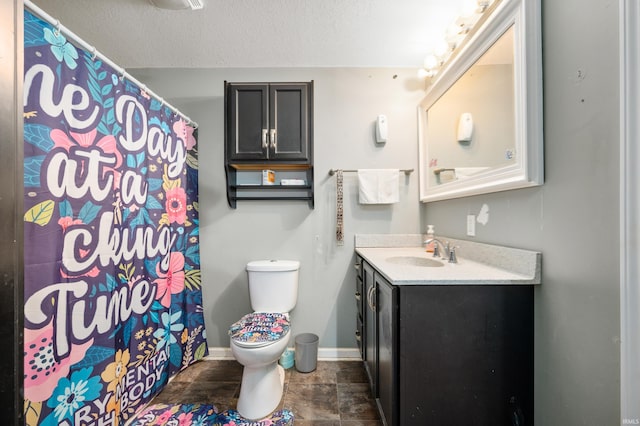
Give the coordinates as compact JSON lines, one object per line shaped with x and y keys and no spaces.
{"x":273,"y":285}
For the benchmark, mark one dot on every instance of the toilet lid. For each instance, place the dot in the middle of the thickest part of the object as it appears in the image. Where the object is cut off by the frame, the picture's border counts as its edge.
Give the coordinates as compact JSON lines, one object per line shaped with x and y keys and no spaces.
{"x":259,"y":328}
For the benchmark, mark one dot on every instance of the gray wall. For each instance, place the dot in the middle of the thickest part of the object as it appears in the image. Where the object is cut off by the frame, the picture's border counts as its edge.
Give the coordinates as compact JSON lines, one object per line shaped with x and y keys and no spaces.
{"x":572,"y":219}
{"x":347,"y":102}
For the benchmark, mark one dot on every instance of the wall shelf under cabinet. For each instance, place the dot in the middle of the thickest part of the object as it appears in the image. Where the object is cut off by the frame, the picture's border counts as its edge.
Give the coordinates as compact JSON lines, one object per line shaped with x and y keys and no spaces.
{"x":244,"y":183}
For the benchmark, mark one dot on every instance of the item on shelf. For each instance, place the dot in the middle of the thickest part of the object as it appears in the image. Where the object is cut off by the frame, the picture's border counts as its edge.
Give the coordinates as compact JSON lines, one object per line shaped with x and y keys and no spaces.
{"x":268,"y":177}
{"x":292,"y":182}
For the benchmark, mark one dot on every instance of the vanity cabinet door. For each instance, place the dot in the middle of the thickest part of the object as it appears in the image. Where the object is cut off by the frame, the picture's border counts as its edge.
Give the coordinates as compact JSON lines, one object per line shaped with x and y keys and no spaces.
{"x":466,"y":353}
{"x":371,"y":332}
{"x":387,"y":350}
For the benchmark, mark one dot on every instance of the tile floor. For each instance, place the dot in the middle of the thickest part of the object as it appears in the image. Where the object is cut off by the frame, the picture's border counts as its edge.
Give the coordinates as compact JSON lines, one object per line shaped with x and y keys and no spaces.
{"x":335,"y":394}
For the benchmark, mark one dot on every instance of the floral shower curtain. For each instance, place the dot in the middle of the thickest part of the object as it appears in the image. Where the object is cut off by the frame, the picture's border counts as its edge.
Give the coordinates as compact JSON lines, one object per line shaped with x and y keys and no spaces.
{"x":113,"y":304}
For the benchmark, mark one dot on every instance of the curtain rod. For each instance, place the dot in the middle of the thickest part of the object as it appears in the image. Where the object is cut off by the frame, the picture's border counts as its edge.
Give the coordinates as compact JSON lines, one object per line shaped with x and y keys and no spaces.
{"x":333,"y":171}
{"x":123,"y":73}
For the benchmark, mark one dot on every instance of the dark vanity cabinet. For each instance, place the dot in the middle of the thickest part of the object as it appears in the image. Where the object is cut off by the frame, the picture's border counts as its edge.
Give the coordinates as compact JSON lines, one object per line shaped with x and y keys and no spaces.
{"x":269,"y":126}
{"x":449,"y":354}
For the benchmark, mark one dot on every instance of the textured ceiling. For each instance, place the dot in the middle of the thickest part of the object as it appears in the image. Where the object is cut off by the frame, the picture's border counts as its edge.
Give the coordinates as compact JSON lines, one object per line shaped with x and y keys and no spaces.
{"x":259,"y":33}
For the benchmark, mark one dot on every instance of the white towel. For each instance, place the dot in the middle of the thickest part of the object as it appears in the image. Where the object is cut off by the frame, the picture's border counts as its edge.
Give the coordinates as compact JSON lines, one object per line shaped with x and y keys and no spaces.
{"x":379,"y":186}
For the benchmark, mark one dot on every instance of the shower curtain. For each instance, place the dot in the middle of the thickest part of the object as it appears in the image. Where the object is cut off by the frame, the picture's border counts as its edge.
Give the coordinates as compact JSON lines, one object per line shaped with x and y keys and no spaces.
{"x":113,"y":302}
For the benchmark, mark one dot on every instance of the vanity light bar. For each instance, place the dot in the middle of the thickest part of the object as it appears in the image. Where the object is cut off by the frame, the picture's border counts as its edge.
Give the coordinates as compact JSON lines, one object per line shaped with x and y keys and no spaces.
{"x":463,"y":27}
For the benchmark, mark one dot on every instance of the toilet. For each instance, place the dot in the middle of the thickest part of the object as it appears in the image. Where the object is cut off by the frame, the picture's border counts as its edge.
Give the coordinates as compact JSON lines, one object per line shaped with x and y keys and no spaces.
{"x":258,"y":339}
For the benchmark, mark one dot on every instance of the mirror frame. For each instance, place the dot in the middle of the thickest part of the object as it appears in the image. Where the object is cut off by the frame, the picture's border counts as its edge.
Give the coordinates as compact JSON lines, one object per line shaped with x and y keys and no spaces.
{"x":528,"y":169}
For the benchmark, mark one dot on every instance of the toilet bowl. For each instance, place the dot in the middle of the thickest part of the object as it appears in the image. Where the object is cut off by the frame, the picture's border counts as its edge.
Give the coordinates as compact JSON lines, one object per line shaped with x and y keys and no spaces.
{"x":258,"y":350}
{"x":258,"y":339}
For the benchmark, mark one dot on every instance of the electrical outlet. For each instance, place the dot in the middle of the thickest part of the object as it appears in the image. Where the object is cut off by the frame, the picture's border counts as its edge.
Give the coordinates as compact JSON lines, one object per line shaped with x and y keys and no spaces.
{"x":471,"y":225}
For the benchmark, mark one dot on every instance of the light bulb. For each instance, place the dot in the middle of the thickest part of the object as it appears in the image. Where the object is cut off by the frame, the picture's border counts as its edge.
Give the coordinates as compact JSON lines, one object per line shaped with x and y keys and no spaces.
{"x":441,"y":48}
{"x":469,"y":8}
{"x":430,"y":62}
{"x":423,"y":73}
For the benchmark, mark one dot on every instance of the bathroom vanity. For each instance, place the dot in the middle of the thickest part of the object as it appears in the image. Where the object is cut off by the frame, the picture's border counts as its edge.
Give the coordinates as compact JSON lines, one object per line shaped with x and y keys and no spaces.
{"x":447,"y":344}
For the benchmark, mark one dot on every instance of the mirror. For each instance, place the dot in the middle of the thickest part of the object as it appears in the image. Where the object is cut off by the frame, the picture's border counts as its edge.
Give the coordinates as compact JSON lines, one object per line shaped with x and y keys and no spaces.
{"x":480,"y":123}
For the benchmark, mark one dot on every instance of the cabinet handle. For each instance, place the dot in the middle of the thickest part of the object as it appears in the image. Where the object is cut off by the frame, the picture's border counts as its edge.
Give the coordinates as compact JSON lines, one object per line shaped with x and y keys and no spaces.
{"x":357,"y":266}
{"x":370,"y":295}
{"x":358,"y":336}
{"x":358,"y":296}
{"x":273,"y":139}
{"x":265,"y":144}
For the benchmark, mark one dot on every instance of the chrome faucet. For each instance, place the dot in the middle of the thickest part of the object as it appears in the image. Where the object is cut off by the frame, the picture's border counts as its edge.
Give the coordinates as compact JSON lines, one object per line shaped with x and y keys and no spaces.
{"x":448,"y":251}
{"x":436,"y":249}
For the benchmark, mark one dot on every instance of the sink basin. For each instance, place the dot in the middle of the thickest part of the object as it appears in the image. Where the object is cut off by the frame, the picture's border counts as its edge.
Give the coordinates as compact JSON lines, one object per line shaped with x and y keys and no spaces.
{"x":414,"y":261}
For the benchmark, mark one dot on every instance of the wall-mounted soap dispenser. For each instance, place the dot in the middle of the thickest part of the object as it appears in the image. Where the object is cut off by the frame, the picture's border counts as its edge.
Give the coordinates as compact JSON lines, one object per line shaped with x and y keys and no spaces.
{"x":465,"y":127}
{"x":381,"y":128}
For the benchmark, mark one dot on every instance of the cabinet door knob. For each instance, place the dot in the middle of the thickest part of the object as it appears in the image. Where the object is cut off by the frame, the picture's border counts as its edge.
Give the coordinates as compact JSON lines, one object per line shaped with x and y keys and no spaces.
{"x":265,"y":144}
{"x":273,"y":139}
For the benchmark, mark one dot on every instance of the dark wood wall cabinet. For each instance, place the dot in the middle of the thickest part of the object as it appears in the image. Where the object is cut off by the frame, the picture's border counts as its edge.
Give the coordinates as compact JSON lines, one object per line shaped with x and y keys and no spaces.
{"x":269,"y":126}
{"x":447,"y":354}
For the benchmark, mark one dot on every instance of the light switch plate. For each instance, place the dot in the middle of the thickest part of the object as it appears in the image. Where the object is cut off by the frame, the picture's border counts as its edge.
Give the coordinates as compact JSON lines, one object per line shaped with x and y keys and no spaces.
{"x":471,"y":225}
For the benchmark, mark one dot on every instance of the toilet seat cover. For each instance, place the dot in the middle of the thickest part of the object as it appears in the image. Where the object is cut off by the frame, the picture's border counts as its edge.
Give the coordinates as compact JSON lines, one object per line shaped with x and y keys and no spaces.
{"x":259,"y":328}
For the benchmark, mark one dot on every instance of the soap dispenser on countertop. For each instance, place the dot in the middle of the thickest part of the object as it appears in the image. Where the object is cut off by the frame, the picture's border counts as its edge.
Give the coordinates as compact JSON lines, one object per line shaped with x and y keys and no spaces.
{"x":431,"y":235}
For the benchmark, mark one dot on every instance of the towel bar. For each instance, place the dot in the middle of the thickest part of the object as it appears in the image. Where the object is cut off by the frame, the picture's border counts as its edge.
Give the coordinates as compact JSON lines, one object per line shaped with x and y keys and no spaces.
{"x":438,"y":171}
{"x":333,"y":171}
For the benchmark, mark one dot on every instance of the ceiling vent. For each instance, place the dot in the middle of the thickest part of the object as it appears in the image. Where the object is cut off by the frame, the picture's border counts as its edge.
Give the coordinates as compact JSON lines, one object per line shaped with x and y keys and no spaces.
{"x":178,"y":4}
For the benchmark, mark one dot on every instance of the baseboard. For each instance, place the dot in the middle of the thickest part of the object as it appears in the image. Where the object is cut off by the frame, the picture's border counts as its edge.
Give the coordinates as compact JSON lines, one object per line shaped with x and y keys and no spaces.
{"x":339,"y":354}
{"x":324,"y":354}
{"x":219,"y":353}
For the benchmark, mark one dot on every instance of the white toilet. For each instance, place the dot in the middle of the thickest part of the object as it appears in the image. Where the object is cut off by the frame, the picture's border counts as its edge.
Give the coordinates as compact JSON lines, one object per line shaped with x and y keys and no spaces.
{"x":259,"y":339}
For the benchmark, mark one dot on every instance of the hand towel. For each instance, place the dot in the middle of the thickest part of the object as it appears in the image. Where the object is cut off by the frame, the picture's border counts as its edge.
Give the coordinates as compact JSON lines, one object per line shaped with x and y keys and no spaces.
{"x":379,"y":186}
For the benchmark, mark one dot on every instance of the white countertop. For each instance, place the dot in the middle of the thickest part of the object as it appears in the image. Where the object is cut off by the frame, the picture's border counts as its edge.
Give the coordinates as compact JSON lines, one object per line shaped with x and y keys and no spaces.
{"x":494,"y":265}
